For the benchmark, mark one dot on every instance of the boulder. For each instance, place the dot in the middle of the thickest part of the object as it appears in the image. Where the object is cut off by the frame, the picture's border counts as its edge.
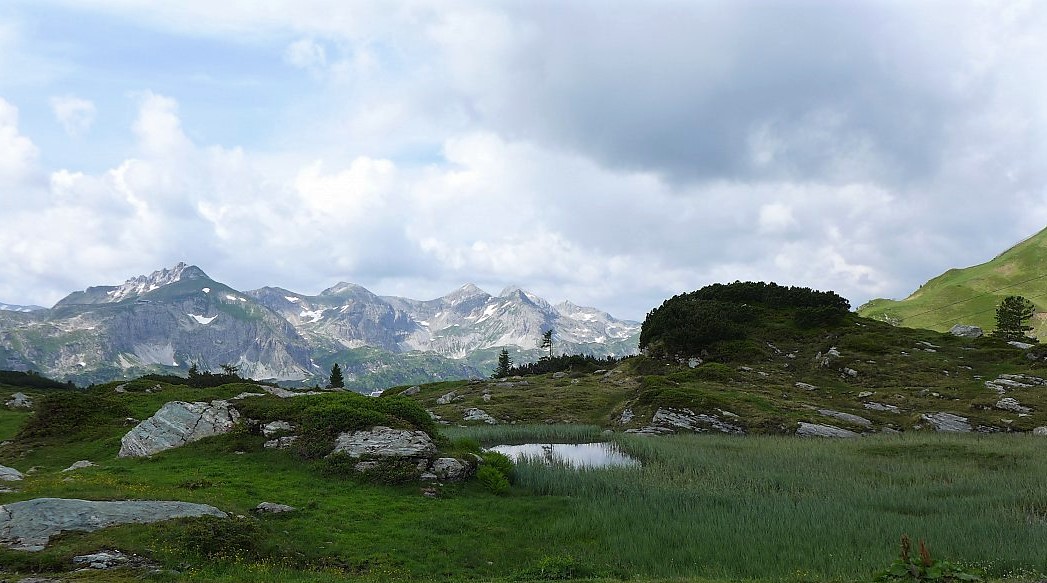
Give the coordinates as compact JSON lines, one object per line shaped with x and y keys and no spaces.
{"x":479,"y":415}
{"x":10,"y":474}
{"x":19,"y":401}
{"x":667,"y":420}
{"x":411,"y":391}
{"x":446,"y":399}
{"x":849,"y":418}
{"x":880,"y":407}
{"x":274,"y":427}
{"x":805,"y":386}
{"x":817,"y":430}
{"x":1021,"y":345}
{"x":1011,"y":404}
{"x":947,"y":422}
{"x":1040,"y":431}
{"x":450,"y":469}
{"x":385,"y":442}
{"x":79,"y":465}
{"x":178,"y":423}
{"x":966,"y":331}
{"x":29,"y":525}
{"x":281,"y":442}
{"x":273,"y":508}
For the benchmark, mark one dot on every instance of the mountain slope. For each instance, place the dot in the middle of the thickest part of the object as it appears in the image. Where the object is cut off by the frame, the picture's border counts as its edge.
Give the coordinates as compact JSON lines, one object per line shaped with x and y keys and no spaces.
{"x":175,"y":317}
{"x":970,"y":295}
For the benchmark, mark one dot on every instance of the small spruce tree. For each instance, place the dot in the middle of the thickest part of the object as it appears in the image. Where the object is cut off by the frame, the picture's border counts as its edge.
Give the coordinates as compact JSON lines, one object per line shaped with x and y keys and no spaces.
{"x":504,"y":364}
{"x":336,"y":382}
{"x":1011,"y":315}
{"x":547,"y":342}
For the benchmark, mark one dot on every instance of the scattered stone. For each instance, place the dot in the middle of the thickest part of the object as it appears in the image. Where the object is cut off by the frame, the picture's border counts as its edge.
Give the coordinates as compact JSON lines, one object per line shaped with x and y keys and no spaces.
{"x":833,"y":352}
{"x":966,"y":331}
{"x":816,"y":430}
{"x":865,"y":394}
{"x":1030,"y":380}
{"x":104,"y":560}
{"x":947,"y":422}
{"x":1040,"y":431}
{"x":487,"y":397}
{"x":246,"y":395}
{"x":805,"y":386}
{"x":29,"y":525}
{"x":926,"y":344}
{"x":666,"y":420}
{"x":446,"y":399}
{"x":281,"y":442}
{"x":449,"y":469}
{"x":385,"y":442}
{"x":846,"y":417}
{"x":881,"y":407}
{"x":479,"y":415}
{"x":1011,"y":404}
{"x":411,"y":391}
{"x":19,"y":401}
{"x":693,"y":362}
{"x":273,"y":508}
{"x":120,"y":389}
{"x":1021,"y":345}
{"x":600,"y":371}
{"x":178,"y":423}
{"x":272,"y":428}
{"x":626,"y":417}
{"x":559,"y":375}
{"x":745,"y":368}
{"x":10,"y":474}
{"x":850,"y":372}
{"x":79,"y":466}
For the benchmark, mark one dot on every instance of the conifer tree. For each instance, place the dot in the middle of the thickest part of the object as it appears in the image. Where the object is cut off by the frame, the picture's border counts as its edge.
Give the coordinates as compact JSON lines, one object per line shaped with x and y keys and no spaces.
{"x":336,"y":382}
{"x":504,"y":364}
{"x":1011,"y":315}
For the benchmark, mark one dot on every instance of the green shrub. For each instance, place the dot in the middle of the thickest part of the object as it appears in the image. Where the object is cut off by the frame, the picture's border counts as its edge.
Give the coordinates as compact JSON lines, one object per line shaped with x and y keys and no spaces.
{"x":713,"y":371}
{"x":500,"y":462}
{"x":68,"y":415}
{"x":493,"y":479}
{"x":213,"y":537}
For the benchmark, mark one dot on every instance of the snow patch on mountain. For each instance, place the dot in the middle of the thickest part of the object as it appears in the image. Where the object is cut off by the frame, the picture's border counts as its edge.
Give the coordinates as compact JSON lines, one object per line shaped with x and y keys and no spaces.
{"x":204,"y":319}
{"x":311,"y":316}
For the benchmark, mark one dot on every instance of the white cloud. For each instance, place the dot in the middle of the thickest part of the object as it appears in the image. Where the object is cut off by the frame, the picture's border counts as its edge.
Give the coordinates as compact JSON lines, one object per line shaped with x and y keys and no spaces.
{"x":76,"y":115}
{"x":18,"y":154}
{"x":306,"y":54}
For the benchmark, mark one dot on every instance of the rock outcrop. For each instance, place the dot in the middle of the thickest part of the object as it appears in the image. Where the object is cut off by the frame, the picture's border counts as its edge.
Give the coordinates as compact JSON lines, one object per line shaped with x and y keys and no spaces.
{"x":29,"y":525}
{"x":947,"y":422}
{"x":10,"y":474}
{"x":479,"y":415}
{"x":966,"y":331}
{"x":848,"y":417}
{"x":178,"y":423}
{"x":19,"y":401}
{"x":818,"y":430}
{"x":385,"y":442}
{"x":667,"y":420}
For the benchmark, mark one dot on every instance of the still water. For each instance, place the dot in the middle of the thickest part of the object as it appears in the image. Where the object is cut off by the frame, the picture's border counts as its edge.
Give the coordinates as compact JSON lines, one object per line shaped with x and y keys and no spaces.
{"x":579,"y":455}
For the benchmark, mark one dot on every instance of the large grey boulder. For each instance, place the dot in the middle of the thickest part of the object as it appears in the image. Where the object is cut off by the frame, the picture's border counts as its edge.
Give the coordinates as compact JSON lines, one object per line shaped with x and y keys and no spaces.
{"x":29,"y":525}
{"x":385,"y":442}
{"x":848,"y":417}
{"x":479,"y":415}
{"x":818,"y":430}
{"x":947,"y":422}
{"x":178,"y":423}
{"x":966,"y":331}
{"x":10,"y":474}
{"x":448,"y":468}
{"x":1011,"y":404}
{"x":19,"y":401}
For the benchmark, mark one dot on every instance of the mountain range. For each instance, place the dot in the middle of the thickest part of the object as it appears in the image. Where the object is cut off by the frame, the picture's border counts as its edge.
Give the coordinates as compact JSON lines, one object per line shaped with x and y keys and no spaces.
{"x":177,"y":317}
{"x":970,"y":295}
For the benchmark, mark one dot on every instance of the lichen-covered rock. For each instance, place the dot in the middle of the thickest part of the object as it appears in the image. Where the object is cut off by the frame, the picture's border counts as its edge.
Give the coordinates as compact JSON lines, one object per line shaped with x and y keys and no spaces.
{"x":19,"y":401}
{"x":272,"y":428}
{"x":281,"y":442}
{"x":947,"y":422}
{"x":385,"y":442}
{"x":30,"y":524}
{"x":411,"y":391}
{"x":446,"y":399}
{"x":10,"y":474}
{"x":1011,"y":404}
{"x":857,"y":420}
{"x":966,"y":331}
{"x":273,"y":508}
{"x":449,"y":469}
{"x":479,"y":415}
{"x":666,"y":420}
{"x":79,"y":465}
{"x":178,"y":423}
{"x":818,"y":430}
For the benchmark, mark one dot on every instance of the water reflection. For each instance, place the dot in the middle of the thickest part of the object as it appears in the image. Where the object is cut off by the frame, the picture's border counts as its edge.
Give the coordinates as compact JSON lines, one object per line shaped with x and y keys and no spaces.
{"x":579,"y":455}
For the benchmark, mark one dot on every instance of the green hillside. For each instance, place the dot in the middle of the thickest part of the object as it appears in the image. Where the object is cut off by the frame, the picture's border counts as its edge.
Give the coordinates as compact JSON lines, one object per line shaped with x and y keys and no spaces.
{"x":970,"y":295}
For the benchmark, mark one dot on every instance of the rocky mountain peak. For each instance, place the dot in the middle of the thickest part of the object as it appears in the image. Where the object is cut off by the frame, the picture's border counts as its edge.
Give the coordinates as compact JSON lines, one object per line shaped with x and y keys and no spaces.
{"x":142,"y":284}
{"x":467,"y":291}
{"x":344,"y":289}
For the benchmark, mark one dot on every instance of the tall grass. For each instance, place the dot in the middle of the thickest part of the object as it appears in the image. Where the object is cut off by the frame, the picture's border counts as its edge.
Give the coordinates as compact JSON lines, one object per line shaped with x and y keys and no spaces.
{"x":766,"y":507}
{"x":515,"y":434}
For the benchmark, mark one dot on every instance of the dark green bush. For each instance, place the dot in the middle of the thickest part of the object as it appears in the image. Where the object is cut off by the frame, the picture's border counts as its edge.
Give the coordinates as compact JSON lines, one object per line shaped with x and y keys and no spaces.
{"x":713,"y":371}
{"x":229,"y":538}
{"x":493,"y":479}
{"x":500,"y":462}
{"x":68,"y":415}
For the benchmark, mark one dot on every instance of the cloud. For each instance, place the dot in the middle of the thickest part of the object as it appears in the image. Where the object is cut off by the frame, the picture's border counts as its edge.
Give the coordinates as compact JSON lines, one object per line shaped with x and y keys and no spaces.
{"x":306,"y":54}
{"x":18,"y":154}
{"x":76,"y":115}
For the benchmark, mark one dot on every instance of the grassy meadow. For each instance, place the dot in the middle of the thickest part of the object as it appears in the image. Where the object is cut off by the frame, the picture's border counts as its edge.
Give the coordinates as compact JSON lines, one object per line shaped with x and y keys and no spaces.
{"x":701,"y":507}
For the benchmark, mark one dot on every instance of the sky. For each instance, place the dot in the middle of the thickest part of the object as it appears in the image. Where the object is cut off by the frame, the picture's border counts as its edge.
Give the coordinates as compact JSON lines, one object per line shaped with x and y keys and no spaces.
{"x":611,"y":153}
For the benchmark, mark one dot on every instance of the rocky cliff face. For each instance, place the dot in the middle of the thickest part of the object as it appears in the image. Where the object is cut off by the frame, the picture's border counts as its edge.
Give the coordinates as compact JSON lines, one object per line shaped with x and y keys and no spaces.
{"x":176,"y":317}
